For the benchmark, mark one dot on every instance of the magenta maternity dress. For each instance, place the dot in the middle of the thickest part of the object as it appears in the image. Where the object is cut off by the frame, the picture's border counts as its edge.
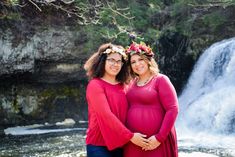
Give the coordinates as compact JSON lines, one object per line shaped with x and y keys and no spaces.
{"x":153,"y":111}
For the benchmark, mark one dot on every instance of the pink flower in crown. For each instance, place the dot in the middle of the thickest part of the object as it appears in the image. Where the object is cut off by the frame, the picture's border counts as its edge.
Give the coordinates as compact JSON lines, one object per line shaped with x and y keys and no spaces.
{"x":146,"y":49}
{"x":141,"y":48}
{"x":133,"y":48}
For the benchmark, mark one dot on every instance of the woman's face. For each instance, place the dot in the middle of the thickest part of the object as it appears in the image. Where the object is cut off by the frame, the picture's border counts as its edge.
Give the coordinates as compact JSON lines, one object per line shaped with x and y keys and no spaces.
{"x":139,"y":65}
{"x":113,"y":64}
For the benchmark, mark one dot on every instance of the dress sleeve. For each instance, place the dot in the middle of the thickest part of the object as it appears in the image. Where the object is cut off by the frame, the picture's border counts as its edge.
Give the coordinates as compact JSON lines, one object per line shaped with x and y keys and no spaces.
{"x":168,"y":99}
{"x":113,"y":131}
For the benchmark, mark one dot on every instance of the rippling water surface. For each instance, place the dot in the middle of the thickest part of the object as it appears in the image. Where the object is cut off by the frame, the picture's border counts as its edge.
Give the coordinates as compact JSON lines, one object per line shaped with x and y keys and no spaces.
{"x":71,"y":143}
{"x":43,"y":145}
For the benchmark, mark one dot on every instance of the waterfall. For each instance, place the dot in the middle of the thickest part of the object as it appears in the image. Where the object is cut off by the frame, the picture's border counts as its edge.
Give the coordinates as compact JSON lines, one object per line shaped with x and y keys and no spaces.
{"x":207,"y":102}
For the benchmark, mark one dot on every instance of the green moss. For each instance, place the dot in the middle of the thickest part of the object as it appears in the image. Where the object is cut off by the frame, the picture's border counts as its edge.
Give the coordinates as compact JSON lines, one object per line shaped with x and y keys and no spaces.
{"x":69,"y":91}
{"x":14,"y":2}
{"x":214,"y":20}
{"x":11,"y":16}
{"x":15,"y":105}
{"x":60,"y":91}
{"x":47,"y":93}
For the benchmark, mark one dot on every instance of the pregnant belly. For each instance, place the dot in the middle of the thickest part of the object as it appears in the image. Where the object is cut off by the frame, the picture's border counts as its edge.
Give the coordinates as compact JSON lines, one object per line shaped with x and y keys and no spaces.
{"x":145,"y":119}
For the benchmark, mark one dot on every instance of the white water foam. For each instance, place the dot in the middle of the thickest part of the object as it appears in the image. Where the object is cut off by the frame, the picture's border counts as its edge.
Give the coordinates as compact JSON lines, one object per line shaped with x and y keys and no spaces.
{"x":207,"y":104}
{"x":196,"y":154}
{"x":42,"y":128}
{"x":31,"y":130}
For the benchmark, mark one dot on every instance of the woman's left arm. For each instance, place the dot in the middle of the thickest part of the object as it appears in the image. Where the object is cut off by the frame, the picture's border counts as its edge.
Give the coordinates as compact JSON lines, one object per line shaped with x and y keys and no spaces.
{"x":168,"y":99}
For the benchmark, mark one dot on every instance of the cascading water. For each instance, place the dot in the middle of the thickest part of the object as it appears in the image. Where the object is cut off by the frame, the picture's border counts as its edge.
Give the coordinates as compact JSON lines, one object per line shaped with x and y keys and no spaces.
{"x":207,"y":104}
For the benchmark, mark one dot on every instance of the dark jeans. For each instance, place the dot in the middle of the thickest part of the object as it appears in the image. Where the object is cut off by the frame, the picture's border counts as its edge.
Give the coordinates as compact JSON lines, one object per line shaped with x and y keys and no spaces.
{"x":102,"y":151}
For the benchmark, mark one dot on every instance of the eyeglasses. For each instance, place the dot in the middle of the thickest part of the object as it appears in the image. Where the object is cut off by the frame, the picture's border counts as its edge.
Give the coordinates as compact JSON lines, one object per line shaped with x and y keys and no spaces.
{"x":113,"y":61}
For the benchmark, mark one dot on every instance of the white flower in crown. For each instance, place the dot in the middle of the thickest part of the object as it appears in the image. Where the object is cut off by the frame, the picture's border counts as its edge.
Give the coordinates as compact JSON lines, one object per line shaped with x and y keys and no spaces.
{"x":108,"y":51}
{"x":121,"y":51}
{"x":118,"y":50}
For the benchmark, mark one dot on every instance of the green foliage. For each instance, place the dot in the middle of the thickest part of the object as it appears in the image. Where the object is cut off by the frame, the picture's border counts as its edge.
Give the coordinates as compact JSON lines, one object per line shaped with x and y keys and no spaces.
{"x":191,"y":2}
{"x":80,"y":2}
{"x":106,"y":16}
{"x":214,"y":20}
{"x":11,"y":16}
{"x":123,"y":39}
{"x":6,"y":12}
{"x":151,"y":35}
{"x":118,"y":20}
{"x":116,"y":28}
{"x":180,"y":9}
{"x":183,"y":22}
{"x":185,"y":26}
{"x":205,"y":2}
{"x":154,"y":6}
{"x":141,"y":20}
{"x":224,"y":1}
{"x":114,"y":23}
{"x":14,"y":2}
{"x":93,"y":33}
{"x":140,"y":25}
{"x":11,"y":2}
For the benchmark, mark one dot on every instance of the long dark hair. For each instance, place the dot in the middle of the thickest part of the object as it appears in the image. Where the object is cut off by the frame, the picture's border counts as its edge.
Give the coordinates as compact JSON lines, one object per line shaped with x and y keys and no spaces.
{"x":95,"y":65}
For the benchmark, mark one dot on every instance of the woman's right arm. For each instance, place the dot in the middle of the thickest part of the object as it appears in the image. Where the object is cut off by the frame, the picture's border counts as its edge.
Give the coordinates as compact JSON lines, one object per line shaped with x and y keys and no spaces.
{"x":112,"y":129}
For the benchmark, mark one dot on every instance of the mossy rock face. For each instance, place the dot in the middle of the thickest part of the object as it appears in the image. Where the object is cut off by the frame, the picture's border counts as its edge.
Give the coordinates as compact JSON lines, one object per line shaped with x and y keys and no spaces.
{"x":62,"y":102}
{"x":173,"y":60}
{"x":43,"y":103}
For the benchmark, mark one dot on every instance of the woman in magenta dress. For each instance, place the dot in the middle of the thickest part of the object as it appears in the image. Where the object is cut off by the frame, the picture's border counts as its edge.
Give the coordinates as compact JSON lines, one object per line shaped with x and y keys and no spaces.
{"x":107,"y":104}
{"x":153,"y":105}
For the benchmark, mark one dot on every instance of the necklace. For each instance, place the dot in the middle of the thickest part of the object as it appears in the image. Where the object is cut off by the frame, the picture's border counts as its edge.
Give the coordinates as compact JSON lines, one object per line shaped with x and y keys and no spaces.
{"x":144,"y":82}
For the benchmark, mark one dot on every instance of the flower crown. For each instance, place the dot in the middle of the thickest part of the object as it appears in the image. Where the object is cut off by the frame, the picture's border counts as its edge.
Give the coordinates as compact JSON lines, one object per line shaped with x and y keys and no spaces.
{"x":140,"y":48}
{"x":116,"y":49}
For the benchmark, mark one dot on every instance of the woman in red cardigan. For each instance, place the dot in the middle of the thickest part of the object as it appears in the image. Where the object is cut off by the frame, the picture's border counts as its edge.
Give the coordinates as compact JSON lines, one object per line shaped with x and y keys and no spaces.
{"x":153,"y":105}
{"x":107,"y":104}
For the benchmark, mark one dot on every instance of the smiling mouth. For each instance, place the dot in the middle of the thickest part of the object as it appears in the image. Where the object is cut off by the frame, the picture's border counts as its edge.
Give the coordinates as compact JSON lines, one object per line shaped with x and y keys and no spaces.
{"x":139,"y":69}
{"x":115,"y":70}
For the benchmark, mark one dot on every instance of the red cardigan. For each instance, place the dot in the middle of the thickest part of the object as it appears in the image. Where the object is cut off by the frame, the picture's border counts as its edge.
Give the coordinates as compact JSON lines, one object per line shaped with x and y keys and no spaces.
{"x":107,"y":110}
